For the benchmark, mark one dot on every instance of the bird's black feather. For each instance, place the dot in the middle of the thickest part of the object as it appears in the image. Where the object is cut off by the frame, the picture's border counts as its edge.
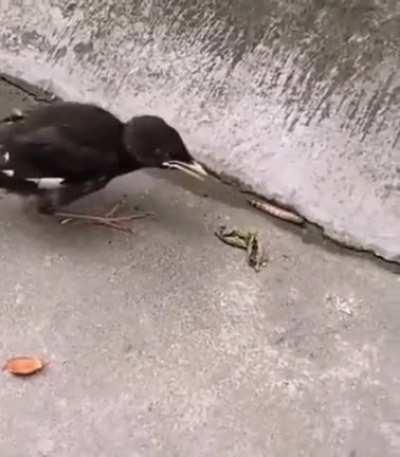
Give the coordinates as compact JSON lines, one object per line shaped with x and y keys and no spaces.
{"x":83,"y":145}
{"x":64,"y":140}
{"x":18,"y":186}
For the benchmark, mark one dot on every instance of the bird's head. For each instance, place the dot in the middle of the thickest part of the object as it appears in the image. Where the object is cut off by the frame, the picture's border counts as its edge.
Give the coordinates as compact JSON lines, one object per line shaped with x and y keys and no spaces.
{"x":154,"y":143}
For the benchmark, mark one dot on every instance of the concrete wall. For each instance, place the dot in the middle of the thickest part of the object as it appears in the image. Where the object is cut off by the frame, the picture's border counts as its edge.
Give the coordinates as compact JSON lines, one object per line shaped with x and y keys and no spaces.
{"x":298,"y":99}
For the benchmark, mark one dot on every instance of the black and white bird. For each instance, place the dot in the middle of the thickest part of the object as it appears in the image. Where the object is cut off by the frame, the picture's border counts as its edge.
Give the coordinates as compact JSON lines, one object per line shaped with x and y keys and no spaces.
{"x":84,"y":147}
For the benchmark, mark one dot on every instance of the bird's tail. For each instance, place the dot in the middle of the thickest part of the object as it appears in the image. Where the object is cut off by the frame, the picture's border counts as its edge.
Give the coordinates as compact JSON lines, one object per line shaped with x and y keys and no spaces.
{"x":17,"y":185}
{"x":9,"y":183}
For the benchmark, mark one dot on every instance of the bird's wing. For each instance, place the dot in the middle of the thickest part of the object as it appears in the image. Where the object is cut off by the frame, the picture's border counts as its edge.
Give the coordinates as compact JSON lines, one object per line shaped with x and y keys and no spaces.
{"x":18,"y":186}
{"x":52,"y":152}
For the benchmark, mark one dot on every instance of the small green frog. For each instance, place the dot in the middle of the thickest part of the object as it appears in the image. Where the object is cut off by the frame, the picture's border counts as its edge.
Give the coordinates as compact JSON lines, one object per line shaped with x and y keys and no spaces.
{"x":247,"y":241}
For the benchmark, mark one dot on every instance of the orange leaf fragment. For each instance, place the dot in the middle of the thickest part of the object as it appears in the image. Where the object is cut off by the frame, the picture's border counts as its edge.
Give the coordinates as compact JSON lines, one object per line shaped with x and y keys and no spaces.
{"x":24,"y":366}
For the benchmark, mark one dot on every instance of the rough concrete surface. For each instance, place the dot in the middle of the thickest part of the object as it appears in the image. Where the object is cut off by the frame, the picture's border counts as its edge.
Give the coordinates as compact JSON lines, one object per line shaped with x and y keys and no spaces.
{"x":297,"y":99}
{"x":166,"y":344}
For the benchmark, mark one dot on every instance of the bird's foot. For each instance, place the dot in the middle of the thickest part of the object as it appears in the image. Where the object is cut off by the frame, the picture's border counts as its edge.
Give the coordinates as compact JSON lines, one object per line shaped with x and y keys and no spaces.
{"x":109,"y":220}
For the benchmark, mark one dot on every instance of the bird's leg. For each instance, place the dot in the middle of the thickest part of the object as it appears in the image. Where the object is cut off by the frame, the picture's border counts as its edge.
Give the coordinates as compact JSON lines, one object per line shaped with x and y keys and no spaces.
{"x":54,"y":198}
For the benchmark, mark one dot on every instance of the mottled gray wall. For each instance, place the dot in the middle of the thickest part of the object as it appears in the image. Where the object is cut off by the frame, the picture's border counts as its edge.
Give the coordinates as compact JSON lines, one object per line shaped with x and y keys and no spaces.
{"x":298,"y":99}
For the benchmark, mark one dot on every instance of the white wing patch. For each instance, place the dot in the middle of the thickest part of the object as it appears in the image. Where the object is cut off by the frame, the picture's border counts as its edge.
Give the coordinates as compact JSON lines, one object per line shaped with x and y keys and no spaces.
{"x":48,"y":183}
{"x":4,"y":156}
{"x":43,"y":183}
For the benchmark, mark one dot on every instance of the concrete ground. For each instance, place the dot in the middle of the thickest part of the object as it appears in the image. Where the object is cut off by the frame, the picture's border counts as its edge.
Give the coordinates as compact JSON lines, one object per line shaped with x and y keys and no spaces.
{"x":165,"y":343}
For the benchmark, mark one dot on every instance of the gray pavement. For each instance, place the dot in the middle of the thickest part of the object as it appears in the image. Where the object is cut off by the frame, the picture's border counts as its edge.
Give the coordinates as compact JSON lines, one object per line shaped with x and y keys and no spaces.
{"x":165,"y":343}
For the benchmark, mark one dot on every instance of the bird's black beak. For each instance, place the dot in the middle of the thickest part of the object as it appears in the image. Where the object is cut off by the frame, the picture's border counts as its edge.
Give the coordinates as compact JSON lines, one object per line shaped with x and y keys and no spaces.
{"x":192,"y":168}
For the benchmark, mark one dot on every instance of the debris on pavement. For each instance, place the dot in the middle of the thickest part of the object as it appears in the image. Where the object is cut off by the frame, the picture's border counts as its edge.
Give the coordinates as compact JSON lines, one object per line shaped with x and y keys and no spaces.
{"x":275,"y":211}
{"x":39,"y":95}
{"x":247,"y":241}
{"x":108,"y":220}
{"x":24,"y":366}
{"x":16,"y":115}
